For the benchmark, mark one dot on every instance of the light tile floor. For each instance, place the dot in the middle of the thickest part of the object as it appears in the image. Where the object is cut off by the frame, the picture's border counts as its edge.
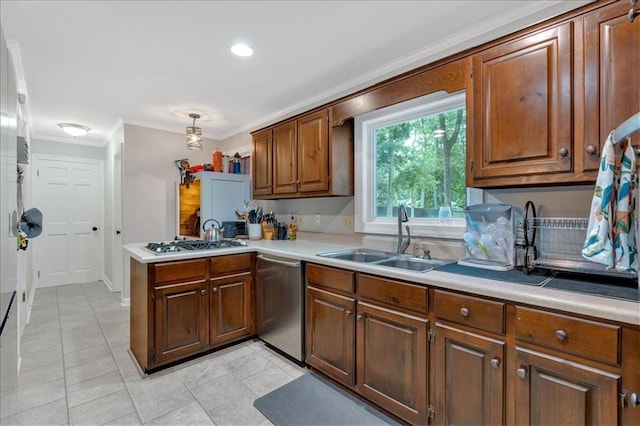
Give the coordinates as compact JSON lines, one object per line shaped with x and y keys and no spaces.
{"x":76,"y":370}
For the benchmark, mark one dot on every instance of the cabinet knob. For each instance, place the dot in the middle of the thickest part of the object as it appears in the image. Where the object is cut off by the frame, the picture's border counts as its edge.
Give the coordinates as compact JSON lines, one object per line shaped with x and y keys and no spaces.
{"x":203,"y":292}
{"x":522,"y":372}
{"x":215,"y":289}
{"x":591,"y":149}
{"x":495,"y":362}
{"x":563,"y":152}
{"x":358,"y":317}
{"x":349,"y":312}
{"x":561,"y":335}
{"x":634,"y":400}
{"x":464,"y":312}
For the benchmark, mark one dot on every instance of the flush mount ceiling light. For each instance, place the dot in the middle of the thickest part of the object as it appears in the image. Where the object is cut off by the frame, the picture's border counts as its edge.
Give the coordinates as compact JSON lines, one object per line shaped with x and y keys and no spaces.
{"x":194,"y":134}
{"x":74,"y":130}
{"x":241,"y":49}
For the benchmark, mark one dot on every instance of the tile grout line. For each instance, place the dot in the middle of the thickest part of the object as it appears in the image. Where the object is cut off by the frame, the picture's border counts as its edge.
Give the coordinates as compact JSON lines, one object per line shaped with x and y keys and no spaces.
{"x":114,"y":360}
{"x":64,"y":370}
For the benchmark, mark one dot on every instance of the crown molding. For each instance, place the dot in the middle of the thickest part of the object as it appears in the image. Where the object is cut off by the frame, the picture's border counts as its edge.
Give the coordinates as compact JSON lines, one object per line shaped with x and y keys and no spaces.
{"x":69,"y":140}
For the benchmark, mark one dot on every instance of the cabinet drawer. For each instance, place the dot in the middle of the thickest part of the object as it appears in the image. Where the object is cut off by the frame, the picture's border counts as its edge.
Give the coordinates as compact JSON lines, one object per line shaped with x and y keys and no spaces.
{"x":472,"y":311}
{"x":336,"y":279}
{"x":230,"y":264}
{"x":597,"y":341}
{"x":394,"y":293}
{"x":185,"y":270}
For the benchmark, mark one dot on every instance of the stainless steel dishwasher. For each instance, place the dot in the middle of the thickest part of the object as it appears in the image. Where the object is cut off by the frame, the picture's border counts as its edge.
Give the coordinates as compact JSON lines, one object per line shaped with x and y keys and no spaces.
{"x":280,"y":305}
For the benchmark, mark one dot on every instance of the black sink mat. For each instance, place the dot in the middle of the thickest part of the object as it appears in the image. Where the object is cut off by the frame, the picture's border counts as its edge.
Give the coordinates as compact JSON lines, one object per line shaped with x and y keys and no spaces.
{"x":614,"y":287}
{"x":618,"y":288}
{"x":515,"y":275}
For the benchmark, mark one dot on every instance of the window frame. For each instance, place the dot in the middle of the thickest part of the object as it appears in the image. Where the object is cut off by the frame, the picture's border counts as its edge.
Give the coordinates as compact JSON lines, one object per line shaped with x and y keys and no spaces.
{"x":364,"y":167}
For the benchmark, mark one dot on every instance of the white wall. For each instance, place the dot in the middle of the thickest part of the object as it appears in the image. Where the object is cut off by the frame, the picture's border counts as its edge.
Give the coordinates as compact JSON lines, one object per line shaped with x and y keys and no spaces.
{"x":240,"y":143}
{"x":150,"y":178}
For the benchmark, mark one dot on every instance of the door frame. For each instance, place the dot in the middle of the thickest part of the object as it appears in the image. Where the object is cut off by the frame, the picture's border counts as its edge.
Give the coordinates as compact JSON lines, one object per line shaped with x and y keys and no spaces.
{"x":116,"y":224}
{"x":36,"y":157}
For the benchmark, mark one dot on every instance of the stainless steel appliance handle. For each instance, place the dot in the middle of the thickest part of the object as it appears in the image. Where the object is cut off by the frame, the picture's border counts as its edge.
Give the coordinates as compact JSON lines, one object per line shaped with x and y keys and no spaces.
{"x":280,"y":262}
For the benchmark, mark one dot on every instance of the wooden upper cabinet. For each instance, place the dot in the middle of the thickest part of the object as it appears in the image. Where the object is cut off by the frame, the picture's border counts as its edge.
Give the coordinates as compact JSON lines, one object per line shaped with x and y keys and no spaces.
{"x":261,"y":160}
{"x":611,"y":77}
{"x":313,"y":152}
{"x":310,"y":159}
{"x":285,"y":159}
{"x":522,"y":109}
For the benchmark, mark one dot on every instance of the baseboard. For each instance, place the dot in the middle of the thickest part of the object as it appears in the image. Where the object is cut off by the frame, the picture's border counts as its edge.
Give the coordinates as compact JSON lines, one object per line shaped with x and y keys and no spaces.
{"x":108,"y":283}
{"x":125,"y":301}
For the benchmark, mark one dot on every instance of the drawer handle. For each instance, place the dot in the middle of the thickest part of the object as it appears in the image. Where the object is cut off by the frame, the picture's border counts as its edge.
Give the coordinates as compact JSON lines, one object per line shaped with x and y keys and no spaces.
{"x":495,"y":362}
{"x":203,"y":292}
{"x":561,"y":335}
{"x":358,"y":317}
{"x":522,"y":372}
{"x":349,"y":312}
{"x":464,"y":312}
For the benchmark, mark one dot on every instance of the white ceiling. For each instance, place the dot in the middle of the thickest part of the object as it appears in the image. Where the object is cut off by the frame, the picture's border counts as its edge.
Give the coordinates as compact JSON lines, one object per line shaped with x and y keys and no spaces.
{"x":150,"y":63}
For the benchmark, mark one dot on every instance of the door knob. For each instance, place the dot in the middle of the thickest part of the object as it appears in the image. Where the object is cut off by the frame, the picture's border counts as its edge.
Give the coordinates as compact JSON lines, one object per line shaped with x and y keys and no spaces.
{"x":95,"y":228}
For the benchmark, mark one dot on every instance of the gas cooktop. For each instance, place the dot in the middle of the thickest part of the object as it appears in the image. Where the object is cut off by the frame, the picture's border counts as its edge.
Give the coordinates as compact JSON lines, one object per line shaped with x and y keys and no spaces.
{"x":191,"y":245}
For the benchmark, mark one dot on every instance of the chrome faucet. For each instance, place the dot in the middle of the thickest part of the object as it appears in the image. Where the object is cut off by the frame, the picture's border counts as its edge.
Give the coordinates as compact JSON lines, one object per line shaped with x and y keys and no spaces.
{"x":402,"y":217}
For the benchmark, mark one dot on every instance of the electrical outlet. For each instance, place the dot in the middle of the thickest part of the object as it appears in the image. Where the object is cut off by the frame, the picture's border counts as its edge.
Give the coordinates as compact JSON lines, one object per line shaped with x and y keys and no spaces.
{"x":348,"y":222}
{"x":317,"y":219}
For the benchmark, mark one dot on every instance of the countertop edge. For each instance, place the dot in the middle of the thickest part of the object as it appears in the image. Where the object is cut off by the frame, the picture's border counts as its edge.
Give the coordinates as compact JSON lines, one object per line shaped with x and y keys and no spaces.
{"x":591,"y":305}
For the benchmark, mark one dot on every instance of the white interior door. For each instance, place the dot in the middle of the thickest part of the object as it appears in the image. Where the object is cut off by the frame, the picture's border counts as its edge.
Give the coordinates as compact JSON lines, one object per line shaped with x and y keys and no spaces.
{"x":69,"y":195}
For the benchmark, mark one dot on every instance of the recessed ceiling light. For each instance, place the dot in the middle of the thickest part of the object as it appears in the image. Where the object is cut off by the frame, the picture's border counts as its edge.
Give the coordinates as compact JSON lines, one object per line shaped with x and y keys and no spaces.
{"x":74,"y":130}
{"x":241,"y":49}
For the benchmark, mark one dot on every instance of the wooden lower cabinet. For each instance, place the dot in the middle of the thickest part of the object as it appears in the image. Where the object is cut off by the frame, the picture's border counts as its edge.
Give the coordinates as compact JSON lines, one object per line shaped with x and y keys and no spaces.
{"x":330,"y":334}
{"x":392,"y":358}
{"x":469,"y":378}
{"x":180,"y":313}
{"x":554,"y":391}
{"x":184,"y":308}
{"x":231,"y":313}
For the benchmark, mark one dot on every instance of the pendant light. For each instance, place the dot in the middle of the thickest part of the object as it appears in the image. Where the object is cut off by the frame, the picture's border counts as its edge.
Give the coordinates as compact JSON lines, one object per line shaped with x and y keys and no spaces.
{"x":194,"y":134}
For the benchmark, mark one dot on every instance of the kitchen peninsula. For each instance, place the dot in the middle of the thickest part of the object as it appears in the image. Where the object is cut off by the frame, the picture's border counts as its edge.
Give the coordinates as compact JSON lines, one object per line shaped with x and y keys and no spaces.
{"x":519,"y":341}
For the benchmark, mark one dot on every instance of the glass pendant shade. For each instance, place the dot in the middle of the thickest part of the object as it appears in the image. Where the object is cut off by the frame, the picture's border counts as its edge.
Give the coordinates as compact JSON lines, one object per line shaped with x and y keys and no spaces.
{"x":194,"y":135}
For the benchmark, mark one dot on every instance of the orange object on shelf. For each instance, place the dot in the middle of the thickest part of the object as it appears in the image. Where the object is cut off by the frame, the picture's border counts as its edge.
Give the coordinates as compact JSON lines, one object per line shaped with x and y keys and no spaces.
{"x":217,"y":160}
{"x":196,"y":168}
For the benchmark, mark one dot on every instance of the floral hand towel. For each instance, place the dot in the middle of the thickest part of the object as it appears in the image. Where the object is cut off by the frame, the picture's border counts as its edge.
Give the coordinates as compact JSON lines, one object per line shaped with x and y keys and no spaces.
{"x":598,"y":246}
{"x":624,"y":232}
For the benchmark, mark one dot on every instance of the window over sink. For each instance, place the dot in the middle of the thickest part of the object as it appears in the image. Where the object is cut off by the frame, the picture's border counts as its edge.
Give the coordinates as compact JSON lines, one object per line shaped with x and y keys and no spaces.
{"x":413,"y":153}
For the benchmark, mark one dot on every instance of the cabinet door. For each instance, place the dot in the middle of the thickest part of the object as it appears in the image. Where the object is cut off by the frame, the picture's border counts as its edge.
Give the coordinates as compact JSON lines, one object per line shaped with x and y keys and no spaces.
{"x":469,"y":378}
{"x":180,"y":321}
{"x":330,"y":334}
{"x":522,"y":109}
{"x":611,"y":77}
{"x":285,"y":160}
{"x":392,"y":361}
{"x":553,"y":391}
{"x":313,"y":152}
{"x":261,"y":160}
{"x":231,"y":308}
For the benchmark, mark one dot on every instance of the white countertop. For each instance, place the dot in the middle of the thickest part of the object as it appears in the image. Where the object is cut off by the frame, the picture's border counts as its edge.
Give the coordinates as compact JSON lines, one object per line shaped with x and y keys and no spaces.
{"x":306,"y":250}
